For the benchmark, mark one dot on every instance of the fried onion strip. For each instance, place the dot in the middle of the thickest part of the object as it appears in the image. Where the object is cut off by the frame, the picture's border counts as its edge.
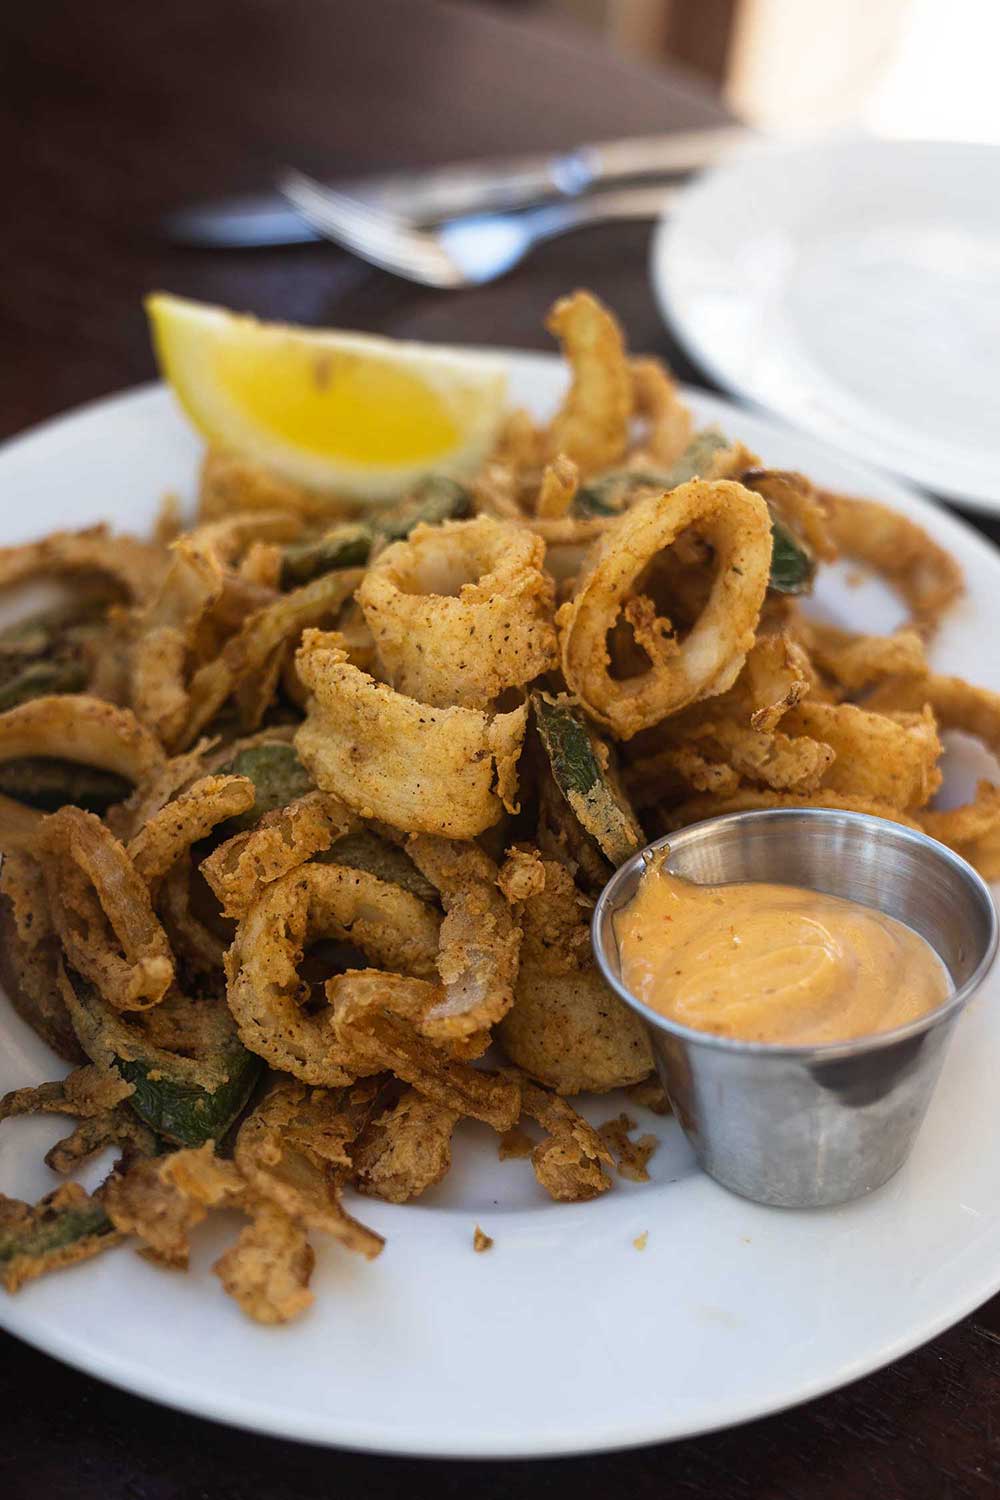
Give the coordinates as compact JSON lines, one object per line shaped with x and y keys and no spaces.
{"x":191,"y":816}
{"x":102,"y":911}
{"x":748,"y":798}
{"x":570,"y":1164}
{"x":162,"y":1199}
{"x":560,"y":481}
{"x":20,"y":826}
{"x":262,"y":634}
{"x":267,"y":1271}
{"x":285,"y":838}
{"x":273,"y":1156}
{"x":406,"y":1149}
{"x":386,"y":923}
{"x":230,"y":482}
{"x":387,"y":1042}
{"x":656,"y":398}
{"x":197,"y":946}
{"x":972,"y":829}
{"x":856,"y":661}
{"x":479,"y":942}
{"x":878,"y":757}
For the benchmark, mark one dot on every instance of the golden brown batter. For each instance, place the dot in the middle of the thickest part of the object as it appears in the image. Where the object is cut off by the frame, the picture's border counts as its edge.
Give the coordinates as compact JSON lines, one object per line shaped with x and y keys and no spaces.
{"x":773,"y":963}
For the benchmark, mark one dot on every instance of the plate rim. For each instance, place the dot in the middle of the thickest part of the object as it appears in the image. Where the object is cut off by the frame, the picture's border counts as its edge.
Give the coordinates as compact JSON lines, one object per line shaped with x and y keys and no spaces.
{"x":233,"y":1408}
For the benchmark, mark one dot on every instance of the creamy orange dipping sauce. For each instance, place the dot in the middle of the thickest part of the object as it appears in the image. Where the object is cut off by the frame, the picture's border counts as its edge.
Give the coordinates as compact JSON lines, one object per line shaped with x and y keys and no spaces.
{"x":773,"y":963}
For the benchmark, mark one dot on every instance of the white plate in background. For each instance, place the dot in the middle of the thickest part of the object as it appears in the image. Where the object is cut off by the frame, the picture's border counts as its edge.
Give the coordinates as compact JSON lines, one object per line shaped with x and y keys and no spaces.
{"x":563,"y":1338}
{"x":852,"y":286}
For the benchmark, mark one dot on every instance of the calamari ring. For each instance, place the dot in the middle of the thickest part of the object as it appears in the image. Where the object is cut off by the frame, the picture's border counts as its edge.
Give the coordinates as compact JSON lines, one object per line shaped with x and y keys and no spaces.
{"x":926,"y":576}
{"x":592,"y":425}
{"x":656,"y":398}
{"x":390,"y":926}
{"x":853,"y":661}
{"x":73,"y":726}
{"x":424,"y":770}
{"x":708,"y":661}
{"x":880,"y":757}
{"x":135,"y":566}
{"x":461,"y":611}
{"x":973,"y":829}
{"x":102,"y":912}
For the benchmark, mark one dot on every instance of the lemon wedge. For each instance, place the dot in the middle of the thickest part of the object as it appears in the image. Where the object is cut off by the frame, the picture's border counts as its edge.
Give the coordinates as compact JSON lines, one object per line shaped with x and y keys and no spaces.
{"x":343,"y":413}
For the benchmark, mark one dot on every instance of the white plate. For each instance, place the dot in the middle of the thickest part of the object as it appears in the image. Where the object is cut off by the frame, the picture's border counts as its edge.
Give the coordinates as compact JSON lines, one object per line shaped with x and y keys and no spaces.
{"x":853,"y":287}
{"x":563,"y":1338}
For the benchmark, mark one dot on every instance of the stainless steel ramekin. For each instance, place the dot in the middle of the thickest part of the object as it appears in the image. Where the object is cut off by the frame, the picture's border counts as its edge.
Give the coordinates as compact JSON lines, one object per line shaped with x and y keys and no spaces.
{"x":808,"y":1126}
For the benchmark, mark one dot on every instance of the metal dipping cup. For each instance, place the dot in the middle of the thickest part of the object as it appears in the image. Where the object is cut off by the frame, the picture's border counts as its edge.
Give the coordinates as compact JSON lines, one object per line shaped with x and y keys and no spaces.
{"x":811,"y":1126}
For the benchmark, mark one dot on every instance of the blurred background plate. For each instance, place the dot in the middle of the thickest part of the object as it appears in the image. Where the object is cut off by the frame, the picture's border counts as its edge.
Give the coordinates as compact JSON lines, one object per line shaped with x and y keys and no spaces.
{"x":852,"y":286}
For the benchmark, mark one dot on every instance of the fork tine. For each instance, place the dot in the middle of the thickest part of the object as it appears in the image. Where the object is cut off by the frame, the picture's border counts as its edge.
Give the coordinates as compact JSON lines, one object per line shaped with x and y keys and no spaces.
{"x":341,"y":216}
{"x":374,"y":239}
{"x":331,"y":202}
{"x":371,"y":233}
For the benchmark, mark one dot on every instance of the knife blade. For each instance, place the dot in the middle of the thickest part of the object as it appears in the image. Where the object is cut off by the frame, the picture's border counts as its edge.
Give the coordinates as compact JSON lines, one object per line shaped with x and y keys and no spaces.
{"x":429,"y":197}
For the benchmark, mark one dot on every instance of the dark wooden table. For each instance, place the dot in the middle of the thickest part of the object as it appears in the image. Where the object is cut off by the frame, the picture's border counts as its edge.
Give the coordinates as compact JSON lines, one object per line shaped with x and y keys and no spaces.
{"x":111,"y":113}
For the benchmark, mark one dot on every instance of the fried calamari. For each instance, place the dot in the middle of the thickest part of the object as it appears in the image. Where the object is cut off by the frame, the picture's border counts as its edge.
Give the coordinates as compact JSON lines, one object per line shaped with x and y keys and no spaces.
{"x":303,"y":810}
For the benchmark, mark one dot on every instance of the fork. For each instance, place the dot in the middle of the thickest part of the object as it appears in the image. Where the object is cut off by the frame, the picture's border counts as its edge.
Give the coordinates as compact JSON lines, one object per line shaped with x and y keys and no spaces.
{"x":465,"y":251}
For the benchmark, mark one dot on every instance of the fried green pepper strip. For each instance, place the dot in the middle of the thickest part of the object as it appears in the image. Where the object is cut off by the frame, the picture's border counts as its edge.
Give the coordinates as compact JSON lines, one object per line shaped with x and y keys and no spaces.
{"x":51,"y":784}
{"x":793,"y":566}
{"x":188,"y":1100}
{"x":278,"y":775}
{"x":363,"y":850}
{"x":65,"y":1226}
{"x":39,"y":677}
{"x":433,"y":501}
{"x":48,"y":652}
{"x":346,"y":546}
{"x":612,"y":492}
{"x":583,"y":775}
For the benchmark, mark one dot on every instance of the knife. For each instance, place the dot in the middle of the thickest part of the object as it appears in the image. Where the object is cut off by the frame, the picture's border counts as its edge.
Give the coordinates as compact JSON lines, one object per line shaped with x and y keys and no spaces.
{"x":429,"y":197}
